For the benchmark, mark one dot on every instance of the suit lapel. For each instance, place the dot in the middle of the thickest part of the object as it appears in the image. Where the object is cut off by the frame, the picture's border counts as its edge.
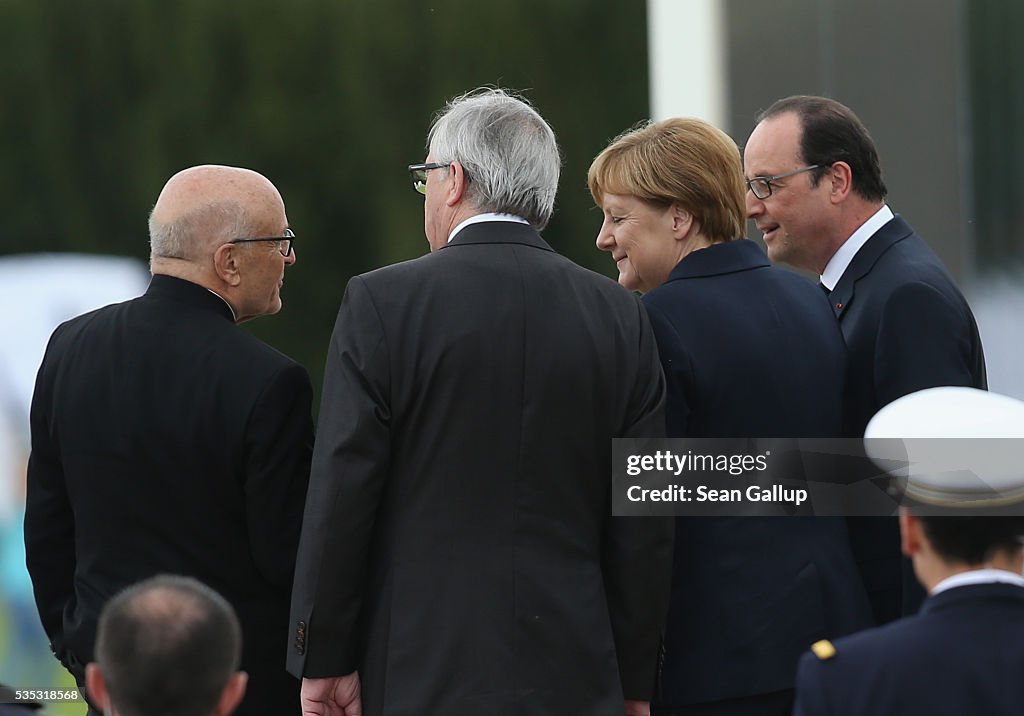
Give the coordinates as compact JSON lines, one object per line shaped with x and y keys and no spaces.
{"x":882,"y":240}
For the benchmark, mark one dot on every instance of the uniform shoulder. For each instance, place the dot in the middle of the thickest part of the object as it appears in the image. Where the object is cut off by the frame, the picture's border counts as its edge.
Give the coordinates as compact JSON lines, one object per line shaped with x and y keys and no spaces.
{"x":886,"y":642}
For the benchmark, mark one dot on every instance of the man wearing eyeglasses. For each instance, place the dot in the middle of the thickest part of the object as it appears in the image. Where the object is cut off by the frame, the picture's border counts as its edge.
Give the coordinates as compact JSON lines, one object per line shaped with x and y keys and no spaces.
{"x":815,"y":190}
{"x":458,"y":554}
{"x":167,"y":439}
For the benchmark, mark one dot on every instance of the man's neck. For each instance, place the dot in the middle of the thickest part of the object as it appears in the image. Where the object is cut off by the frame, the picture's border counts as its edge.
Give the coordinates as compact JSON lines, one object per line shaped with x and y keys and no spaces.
{"x":188,"y":271}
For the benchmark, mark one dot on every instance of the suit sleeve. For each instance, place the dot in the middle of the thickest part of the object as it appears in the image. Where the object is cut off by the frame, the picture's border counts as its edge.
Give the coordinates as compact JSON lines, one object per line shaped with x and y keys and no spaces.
{"x":350,"y":467}
{"x":923,"y":342}
{"x":279,"y":444}
{"x":49,"y":520}
{"x":638,"y":550}
{"x":810,"y":691}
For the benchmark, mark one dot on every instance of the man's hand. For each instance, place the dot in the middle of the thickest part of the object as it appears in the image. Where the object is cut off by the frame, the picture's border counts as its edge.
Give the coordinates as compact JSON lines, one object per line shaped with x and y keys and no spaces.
{"x":333,"y":696}
{"x":638,"y":708}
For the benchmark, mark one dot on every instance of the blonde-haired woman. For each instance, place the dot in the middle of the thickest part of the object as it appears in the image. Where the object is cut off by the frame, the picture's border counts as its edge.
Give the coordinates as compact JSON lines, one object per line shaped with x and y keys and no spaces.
{"x":748,"y":351}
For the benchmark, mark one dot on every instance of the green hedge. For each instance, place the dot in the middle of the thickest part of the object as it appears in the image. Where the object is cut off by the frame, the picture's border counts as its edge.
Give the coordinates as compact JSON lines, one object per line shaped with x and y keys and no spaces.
{"x":105,"y":99}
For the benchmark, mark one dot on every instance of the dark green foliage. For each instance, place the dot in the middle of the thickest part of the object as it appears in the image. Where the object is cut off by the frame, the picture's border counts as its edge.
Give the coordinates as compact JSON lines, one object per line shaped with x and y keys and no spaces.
{"x":104,"y":99}
{"x":997,"y":142}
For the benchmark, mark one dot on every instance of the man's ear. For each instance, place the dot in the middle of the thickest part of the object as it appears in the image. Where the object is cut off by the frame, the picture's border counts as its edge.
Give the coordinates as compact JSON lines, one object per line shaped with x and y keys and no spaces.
{"x":226,"y":263}
{"x":682,"y":221}
{"x":841,"y":177}
{"x":97,"y":687}
{"x":910,"y":533}
{"x":232,"y":694}
{"x":456,"y":185}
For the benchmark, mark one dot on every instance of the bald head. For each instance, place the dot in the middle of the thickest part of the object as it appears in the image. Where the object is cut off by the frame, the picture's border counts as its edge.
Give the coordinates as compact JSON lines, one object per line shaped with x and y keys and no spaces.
{"x":195,"y":230}
{"x":202,"y":207}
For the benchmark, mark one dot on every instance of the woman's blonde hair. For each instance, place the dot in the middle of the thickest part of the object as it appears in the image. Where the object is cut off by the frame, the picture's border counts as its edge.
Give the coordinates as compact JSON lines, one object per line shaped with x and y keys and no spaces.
{"x":681,"y":160}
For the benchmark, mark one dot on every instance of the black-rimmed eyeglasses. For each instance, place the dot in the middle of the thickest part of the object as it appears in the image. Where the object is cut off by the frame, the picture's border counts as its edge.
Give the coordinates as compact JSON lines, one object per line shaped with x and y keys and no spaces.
{"x":761,"y":187}
{"x":285,"y":243}
{"x":419,"y":175}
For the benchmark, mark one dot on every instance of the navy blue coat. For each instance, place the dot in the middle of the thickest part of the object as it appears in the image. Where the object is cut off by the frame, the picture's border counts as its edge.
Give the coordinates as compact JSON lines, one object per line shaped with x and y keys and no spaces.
{"x":907,"y":327}
{"x":750,"y":351}
{"x":961,"y":654}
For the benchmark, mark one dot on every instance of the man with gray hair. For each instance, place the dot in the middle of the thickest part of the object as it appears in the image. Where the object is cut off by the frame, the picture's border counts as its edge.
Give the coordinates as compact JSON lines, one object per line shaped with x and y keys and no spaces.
{"x":167,"y":439}
{"x":458,"y":553}
{"x":167,"y":646}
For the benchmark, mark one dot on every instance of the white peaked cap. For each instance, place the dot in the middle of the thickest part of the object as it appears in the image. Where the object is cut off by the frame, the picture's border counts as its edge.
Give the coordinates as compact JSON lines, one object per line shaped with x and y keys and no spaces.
{"x":949,"y":438}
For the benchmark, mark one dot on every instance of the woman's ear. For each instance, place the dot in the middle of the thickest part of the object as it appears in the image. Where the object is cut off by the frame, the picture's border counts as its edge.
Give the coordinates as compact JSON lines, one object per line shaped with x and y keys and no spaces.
{"x":682,"y":221}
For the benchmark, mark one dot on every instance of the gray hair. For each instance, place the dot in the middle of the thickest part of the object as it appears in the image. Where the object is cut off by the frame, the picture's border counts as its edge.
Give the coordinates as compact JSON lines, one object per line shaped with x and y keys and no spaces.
{"x":508,"y":151}
{"x":206,"y":225}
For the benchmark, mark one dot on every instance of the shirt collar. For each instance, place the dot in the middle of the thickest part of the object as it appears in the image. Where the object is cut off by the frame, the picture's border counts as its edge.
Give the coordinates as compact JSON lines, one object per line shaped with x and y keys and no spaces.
{"x":487,"y":216}
{"x":841,"y":259}
{"x":234,"y":316}
{"x":978,"y":576}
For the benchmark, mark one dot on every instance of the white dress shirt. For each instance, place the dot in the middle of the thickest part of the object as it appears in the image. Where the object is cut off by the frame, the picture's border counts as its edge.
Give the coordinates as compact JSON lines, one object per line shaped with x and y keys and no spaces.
{"x":841,"y":259}
{"x":489,"y":216}
{"x":978,"y":576}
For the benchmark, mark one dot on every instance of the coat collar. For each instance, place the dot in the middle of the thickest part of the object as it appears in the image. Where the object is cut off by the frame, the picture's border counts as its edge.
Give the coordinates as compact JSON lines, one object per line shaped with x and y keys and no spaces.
{"x":885,"y":238}
{"x":971,"y":593}
{"x":498,"y":232}
{"x":191,"y":294}
{"x":717,"y":259}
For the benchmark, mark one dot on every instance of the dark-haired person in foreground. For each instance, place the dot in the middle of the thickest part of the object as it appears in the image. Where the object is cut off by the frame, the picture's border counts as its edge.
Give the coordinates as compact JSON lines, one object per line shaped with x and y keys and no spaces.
{"x":168,"y":646}
{"x":963,"y":653}
{"x":815,"y":190}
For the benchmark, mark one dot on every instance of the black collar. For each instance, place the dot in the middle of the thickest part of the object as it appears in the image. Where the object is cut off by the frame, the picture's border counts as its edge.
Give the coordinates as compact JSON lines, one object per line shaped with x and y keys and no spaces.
{"x":499,"y":232}
{"x":191,"y":294}
{"x":717,"y":259}
{"x":970,"y":593}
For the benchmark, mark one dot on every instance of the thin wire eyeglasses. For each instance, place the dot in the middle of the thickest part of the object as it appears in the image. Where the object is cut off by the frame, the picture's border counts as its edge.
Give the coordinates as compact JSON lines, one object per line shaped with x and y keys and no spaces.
{"x":761,"y":187}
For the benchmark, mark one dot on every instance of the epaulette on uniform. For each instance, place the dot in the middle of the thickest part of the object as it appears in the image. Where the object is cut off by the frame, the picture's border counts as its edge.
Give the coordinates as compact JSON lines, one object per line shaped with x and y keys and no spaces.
{"x":823,"y":649}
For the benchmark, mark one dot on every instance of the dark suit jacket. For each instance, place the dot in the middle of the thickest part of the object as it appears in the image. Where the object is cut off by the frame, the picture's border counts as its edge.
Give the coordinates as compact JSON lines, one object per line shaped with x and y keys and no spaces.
{"x":750,"y":351}
{"x":458,"y":548}
{"x":961,"y":654}
{"x":907,"y":327}
{"x":167,"y":440}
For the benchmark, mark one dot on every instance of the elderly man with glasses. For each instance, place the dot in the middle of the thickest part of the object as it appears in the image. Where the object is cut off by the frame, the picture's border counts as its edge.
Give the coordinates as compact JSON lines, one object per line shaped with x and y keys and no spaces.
{"x":816,"y":193}
{"x":458,"y":553}
{"x":167,"y":439}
